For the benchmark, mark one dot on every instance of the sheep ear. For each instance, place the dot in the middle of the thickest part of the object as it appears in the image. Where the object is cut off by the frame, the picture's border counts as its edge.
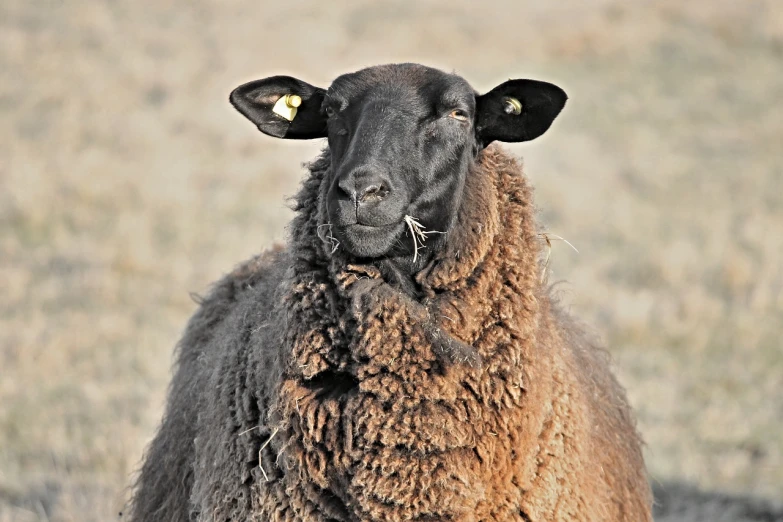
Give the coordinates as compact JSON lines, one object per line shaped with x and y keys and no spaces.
{"x":283,"y":107}
{"x":517,"y":110}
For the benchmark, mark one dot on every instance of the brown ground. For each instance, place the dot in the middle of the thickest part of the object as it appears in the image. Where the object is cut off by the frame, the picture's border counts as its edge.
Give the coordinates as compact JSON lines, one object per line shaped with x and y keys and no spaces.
{"x":126,"y":182}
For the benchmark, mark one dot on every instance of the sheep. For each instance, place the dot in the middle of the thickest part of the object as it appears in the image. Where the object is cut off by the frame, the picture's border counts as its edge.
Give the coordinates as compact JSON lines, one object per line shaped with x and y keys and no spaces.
{"x":400,"y":358}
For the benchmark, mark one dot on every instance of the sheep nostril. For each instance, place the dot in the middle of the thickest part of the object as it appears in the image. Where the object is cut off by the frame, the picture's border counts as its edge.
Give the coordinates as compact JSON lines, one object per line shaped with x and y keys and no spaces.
{"x":373,"y":192}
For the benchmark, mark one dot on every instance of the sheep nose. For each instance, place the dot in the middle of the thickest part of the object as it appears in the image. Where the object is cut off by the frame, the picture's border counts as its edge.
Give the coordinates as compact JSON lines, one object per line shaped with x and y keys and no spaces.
{"x":365,"y":187}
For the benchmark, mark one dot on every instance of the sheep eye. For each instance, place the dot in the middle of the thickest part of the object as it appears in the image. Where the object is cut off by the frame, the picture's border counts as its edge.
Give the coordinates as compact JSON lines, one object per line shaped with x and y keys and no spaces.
{"x":459,"y":114}
{"x":329,"y":112}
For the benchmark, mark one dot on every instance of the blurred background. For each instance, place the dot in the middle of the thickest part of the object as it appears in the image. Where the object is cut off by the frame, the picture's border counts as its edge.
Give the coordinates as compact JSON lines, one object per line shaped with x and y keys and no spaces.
{"x":127,"y":182}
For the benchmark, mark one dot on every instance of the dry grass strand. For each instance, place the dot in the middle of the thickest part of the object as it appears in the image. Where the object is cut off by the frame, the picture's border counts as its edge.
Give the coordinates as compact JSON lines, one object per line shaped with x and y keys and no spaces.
{"x":328,"y":237}
{"x":261,"y":450}
{"x":418,"y":234}
{"x":548,"y":237}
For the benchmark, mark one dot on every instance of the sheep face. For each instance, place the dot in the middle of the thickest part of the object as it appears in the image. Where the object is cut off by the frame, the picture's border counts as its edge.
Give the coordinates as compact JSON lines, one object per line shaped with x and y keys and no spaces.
{"x":402,"y":139}
{"x":401,"y":142}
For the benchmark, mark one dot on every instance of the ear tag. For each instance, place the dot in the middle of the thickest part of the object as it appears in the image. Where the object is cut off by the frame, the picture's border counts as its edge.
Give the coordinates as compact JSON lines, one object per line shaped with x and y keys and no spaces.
{"x":512,"y":106}
{"x":287,"y":105}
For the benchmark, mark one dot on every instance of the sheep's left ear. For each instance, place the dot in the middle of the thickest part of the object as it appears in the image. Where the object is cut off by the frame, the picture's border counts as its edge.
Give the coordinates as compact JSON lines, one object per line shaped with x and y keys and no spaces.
{"x":517,"y":110}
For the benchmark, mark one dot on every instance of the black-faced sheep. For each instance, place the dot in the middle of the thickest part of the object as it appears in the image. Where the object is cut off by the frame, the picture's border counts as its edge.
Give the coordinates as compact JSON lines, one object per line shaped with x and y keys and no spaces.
{"x":400,"y":358}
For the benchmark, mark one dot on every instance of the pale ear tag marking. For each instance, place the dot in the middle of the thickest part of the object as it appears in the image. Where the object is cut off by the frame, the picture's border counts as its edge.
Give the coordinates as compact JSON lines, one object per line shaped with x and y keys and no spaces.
{"x":286,"y":106}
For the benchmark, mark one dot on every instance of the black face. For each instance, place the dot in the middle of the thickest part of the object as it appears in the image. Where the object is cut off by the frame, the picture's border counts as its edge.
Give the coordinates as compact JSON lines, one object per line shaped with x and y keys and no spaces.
{"x":402,"y":139}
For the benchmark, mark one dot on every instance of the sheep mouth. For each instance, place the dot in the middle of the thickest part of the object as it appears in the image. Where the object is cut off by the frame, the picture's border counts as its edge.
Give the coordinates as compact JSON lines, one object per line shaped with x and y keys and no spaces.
{"x":369,"y":241}
{"x":361,"y":228}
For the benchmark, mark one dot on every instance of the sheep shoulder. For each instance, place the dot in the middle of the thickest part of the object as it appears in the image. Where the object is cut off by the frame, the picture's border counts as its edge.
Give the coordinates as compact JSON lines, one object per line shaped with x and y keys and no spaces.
{"x":164,"y":487}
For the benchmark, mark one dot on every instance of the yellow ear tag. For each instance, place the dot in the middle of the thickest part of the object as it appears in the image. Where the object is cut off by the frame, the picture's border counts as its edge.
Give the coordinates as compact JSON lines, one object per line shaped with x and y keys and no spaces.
{"x":287,"y":105}
{"x":512,"y":106}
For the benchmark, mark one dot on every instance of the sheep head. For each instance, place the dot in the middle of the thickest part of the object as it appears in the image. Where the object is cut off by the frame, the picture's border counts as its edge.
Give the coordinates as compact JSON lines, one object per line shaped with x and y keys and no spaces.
{"x":402,"y":139}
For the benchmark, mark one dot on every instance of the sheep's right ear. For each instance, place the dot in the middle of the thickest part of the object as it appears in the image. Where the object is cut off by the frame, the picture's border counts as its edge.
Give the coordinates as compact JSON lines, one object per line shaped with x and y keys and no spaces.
{"x":283,"y":107}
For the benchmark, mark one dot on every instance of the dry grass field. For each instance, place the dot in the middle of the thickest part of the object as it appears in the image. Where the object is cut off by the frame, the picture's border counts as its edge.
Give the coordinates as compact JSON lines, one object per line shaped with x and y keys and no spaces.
{"x":127,"y":182}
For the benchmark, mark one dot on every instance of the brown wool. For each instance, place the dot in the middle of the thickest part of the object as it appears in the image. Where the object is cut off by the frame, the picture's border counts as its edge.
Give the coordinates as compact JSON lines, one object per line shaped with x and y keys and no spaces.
{"x":363,"y":415}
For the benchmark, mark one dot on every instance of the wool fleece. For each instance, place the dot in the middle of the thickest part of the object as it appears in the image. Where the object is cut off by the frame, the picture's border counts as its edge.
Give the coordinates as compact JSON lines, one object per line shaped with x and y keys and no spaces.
{"x":308,"y":389}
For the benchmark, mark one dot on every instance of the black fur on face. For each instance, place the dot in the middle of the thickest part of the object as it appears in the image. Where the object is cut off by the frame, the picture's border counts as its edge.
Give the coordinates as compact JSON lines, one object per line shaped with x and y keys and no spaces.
{"x":402,"y":139}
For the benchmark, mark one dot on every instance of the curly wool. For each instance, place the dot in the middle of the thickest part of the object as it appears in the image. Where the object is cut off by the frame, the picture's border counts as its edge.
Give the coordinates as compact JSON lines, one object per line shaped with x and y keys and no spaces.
{"x":314,"y":391}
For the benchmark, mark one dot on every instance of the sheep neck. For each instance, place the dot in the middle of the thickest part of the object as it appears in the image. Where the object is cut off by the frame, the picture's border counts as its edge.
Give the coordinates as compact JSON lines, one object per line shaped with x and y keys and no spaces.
{"x":358,"y":345}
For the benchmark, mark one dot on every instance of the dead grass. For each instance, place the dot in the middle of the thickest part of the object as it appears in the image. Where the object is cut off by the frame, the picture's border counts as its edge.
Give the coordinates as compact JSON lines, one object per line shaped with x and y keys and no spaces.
{"x":548,"y":237}
{"x":127,"y":182}
{"x":418,"y":234}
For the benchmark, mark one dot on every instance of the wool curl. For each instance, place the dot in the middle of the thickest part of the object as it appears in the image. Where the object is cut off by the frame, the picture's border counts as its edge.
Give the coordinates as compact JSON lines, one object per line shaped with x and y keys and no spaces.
{"x":309,"y":389}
